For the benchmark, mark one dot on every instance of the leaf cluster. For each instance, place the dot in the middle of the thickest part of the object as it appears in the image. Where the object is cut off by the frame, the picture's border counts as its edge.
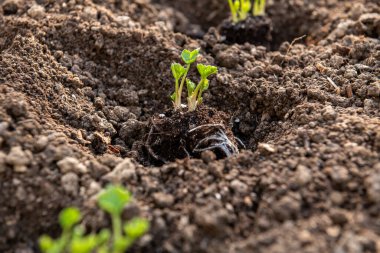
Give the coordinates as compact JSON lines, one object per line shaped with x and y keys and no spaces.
{"x":74,"y":240}
{"x":194,"y":91}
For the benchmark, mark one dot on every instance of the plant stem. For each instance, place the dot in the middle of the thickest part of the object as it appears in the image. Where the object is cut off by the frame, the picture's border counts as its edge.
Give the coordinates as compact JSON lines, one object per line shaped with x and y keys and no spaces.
{"x":177,"y":105}
{"x":63,"y":241}
{"x":195,"y":96}
{"x":233,"y":11}
{"x":176,"y":94}
{"x":116,"y":226}
{"x":259,"y":7}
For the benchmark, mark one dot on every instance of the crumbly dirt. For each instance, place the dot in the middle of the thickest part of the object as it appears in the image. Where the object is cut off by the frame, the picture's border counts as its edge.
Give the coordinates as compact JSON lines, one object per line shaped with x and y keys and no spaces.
{"x":80,"y":80}
{"x":181,"y":134}
{"x":254,"y":30}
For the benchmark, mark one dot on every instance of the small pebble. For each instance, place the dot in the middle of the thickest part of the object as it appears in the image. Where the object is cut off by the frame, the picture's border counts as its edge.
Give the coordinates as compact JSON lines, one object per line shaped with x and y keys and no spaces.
{"x":36,"y":11}
{"x":163,"y":200}
{"x":70,"y":183}
{"x":303,"y":175}
{"x":18,"y":159}
{"x":239,"y":187}
{"x":71,"y":164}
{"x":126,"y":170}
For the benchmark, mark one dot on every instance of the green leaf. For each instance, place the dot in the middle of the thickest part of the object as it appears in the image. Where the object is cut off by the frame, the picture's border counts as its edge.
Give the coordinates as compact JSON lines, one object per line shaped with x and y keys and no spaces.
{"x":69,"y":217}
{"x":245,"y":5}
{"x":178,"y":70}
{"x":45,"y":243}
{"x":173,"y":96}
{"x":190,"y":56}
{"x":113,"y":199}
{"x":237,"y":4}
{"x":190,"y":87}
{"x":78,"y":231}
{"x":122,"y":244}
{"x":84,"y":244}
{"x":205,"y":85}
{"x":206,"y":70}
{"x":136,"y":228}
{"x":103,"y":236}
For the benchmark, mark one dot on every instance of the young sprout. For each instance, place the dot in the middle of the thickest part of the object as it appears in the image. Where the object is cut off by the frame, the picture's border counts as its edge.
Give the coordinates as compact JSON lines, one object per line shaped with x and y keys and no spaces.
{"x":239,"y":9}
{"x":195,"y":91}
{"x":258,"y":8}
{"x":179,"y":73}
{"x":112,"y":200}
{"x":68,"y":218}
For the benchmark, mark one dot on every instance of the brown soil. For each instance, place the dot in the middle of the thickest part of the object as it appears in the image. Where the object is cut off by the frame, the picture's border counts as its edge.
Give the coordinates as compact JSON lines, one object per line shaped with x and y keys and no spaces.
{"x":80,"y":81}
{"x":254,"y":30}
{"x":178,"y":135}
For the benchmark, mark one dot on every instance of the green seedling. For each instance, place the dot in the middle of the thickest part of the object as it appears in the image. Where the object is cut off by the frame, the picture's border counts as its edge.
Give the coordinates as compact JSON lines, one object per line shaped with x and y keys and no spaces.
{"x":258,"y":8}
{"x":194,"y":92}
{"x":180,"y":73}
{"x":239,"y":9}
{"x":73,"y":239}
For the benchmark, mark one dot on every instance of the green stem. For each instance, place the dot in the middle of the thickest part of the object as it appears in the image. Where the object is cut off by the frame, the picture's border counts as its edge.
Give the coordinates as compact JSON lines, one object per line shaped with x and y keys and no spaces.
{"x":195,"y":96}
{"x":178,"y":96}
{"x":63,"y":242}
{"x":259,"y":8}
{"x":233,"y":11}
{"x":116,"y":226}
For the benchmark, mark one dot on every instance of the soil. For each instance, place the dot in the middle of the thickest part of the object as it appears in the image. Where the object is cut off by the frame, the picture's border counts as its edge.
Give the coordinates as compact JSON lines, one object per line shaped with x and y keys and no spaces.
{"x":81,"y":80}
{"x":179,"y":135}
{"x":254,"y":30}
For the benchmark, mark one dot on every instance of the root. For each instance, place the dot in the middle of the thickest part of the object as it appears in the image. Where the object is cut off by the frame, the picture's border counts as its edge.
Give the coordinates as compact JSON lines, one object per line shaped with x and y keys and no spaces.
{"x":291,"y":45}
{"x":219,"y":126}
{"x":218,"y":141}
{"x":149,"y":148}
{"x":196,"y":140}
{"x":240,"y":142}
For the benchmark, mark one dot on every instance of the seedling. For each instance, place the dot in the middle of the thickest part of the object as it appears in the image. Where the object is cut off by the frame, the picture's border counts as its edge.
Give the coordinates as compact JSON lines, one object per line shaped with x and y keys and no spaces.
{"x":73,"y":239}
{"x":180,"y":75}
{"x":240,"y":9}
{"x":258,"y":8}
{"x":195,"y":92}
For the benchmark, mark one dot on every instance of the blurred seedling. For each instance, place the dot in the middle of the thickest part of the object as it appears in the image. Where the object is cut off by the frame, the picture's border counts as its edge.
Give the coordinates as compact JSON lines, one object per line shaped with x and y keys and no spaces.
{"x":73,"y":239}
{"x":194,"y":91}
{"x":241,"y":8}
{"x":258,"y":8}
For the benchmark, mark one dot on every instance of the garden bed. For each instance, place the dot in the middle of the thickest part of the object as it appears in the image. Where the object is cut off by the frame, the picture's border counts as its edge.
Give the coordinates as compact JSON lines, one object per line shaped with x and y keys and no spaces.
{"x":81,"y":83}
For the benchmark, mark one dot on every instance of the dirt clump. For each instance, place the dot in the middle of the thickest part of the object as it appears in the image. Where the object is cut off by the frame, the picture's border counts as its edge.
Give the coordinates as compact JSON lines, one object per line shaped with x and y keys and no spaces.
{"x":254,"y":30}
{"x":179,"y":135}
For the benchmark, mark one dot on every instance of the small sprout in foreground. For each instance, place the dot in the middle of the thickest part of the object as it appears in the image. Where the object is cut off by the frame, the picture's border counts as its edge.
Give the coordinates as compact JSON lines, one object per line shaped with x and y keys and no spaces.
{"x":73,"y":239}
{"x":180,"y":72}
{"x":194,"y":92}
{"x":258,"y":8}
